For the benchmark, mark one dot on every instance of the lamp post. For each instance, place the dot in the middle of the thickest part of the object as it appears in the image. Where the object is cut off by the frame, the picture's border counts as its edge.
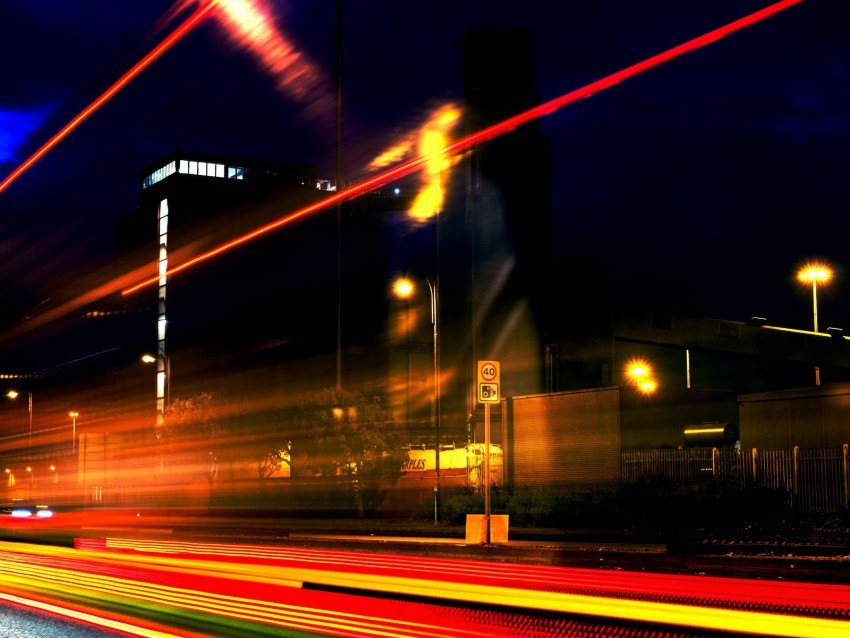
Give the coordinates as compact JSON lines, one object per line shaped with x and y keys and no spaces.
{"x":163,"y":383}
{"x":812,"y":273}
{"x":403,"y":289}
{"x":73,"y":414}
{"x":13,"y":394}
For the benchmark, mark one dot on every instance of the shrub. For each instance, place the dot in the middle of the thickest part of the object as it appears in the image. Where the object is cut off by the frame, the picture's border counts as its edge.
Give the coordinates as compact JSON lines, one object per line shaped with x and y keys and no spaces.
{"x":653,"y":505}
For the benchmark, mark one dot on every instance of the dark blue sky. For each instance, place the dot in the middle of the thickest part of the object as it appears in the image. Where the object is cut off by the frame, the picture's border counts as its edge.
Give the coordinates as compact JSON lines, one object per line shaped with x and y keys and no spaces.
{"x":701,"y":183}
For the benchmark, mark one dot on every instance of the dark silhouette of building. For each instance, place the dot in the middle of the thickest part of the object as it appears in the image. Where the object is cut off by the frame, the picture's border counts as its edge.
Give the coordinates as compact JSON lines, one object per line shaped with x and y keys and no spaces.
{"x":495,"y":235}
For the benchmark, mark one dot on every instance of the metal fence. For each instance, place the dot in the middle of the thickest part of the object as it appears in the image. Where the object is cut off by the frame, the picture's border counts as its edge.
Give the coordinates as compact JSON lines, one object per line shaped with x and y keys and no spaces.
{"x":815,"y":480}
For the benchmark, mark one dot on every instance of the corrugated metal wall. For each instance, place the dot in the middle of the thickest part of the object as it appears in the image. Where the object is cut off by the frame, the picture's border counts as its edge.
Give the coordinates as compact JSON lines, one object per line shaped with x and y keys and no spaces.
{"x":652,"y":421}
{"x":563,"y":441}
{"x":811,"y":417}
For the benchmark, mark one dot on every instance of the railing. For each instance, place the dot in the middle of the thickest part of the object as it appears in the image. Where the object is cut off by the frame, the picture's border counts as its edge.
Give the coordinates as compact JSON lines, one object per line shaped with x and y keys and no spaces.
{"x":816,"y":480}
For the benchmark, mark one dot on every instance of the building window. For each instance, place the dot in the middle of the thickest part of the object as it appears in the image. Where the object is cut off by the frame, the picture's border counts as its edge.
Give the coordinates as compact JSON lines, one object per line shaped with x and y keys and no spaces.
{"x":662,"y":322}
{"x":159,"y":174}
{"x":729,"y":330}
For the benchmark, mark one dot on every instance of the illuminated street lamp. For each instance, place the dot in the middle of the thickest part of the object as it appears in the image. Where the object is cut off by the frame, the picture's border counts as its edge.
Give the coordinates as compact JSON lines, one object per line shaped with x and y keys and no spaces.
{"x":640,"y":372}
{"x":74,"y":414}
{"x":814,"y":273}
{"x":404,"y":289}
{"x":637,"y":371}
{"x":648,"y":387}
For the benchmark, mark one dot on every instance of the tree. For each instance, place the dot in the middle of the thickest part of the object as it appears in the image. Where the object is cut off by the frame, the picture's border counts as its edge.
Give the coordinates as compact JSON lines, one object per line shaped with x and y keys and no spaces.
{"x":347,"y":433}
{"x":194,"y":435}
{"x":272,"y":441}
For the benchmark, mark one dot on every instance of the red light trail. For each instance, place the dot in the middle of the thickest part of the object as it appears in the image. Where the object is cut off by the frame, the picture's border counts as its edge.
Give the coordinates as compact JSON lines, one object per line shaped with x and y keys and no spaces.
{"x":244,"y":587}
{"x":140,"y":66}
{"x":483,"y":135}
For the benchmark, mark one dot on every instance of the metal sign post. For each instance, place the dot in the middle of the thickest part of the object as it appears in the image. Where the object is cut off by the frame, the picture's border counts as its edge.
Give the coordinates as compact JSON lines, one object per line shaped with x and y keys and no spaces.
{"x":487,"y":473}
{"x":488,"y":392}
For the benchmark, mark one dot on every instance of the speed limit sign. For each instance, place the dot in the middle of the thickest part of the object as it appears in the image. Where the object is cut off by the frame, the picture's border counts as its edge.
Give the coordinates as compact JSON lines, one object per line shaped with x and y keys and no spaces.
{"x":488,"y":382}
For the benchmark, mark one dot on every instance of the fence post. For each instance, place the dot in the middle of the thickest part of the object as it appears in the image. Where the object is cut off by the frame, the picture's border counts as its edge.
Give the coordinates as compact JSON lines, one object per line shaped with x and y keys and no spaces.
{"x":845,"y":475}
{"x":714,"y":460}
{"x":795,"y":477}
{"x":754,"y":466}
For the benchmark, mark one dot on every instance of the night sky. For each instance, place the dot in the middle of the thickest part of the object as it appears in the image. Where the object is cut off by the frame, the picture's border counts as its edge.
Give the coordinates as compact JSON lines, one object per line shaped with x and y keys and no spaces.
{"x":700,"y":184}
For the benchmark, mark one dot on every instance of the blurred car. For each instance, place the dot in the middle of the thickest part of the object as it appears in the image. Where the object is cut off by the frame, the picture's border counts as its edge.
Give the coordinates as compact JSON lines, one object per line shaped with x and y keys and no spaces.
{"x":24,"y":510}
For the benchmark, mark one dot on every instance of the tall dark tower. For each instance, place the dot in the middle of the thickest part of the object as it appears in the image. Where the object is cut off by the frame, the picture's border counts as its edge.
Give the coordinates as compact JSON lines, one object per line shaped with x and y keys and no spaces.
{"x":496,"y":237}
{"x":232,"y":313}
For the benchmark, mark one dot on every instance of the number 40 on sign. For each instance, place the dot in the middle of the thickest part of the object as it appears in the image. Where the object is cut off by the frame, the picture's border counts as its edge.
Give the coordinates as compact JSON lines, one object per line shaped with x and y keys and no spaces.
{"x":488,"y":381}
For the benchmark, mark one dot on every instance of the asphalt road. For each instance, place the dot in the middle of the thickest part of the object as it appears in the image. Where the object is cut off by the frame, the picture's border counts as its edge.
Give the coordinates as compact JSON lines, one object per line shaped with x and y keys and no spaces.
{"x":17,"y":621}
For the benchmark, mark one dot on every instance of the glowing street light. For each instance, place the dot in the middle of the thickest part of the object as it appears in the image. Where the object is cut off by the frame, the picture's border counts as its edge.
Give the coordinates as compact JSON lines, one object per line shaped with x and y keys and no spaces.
{"x":637,"y":372}
{"x":641,"y":373}
{"x":814,"y":273}
{"x":403,"y":289}
{"x":648,"y":387}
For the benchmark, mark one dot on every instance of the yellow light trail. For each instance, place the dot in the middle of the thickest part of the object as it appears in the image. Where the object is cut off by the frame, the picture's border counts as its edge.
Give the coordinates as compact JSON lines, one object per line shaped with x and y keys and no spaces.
{"x":63,"y":581}
{"x":429,"y":141}
{"x":433,"y":139}
{"x":421,"y":583}
{"x":99,"y":621}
